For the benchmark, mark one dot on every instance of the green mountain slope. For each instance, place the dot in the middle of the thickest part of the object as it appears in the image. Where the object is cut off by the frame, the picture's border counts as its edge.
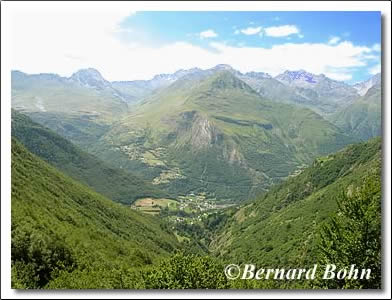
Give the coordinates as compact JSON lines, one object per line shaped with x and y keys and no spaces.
{"x":60,"y":226}
{"x":52,"y":93}
{"x":79,"y":108}
{"x":281,"y":227}
{"x":362,"y":118}
{"x":215,"y":134}
{"x":115,"y":184}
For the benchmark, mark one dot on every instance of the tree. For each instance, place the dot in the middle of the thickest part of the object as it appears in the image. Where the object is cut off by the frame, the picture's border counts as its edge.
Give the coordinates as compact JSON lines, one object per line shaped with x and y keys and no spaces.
{"x":353,"y":236}
{"x":186,"y":272}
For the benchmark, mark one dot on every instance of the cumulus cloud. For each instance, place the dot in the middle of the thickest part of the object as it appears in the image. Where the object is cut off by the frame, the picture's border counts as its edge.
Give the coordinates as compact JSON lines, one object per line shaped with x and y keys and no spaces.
{"x":251,"y":30}
{"x":208,"y":34}
{"x":281,"y":31}
{"x":334,"y":40}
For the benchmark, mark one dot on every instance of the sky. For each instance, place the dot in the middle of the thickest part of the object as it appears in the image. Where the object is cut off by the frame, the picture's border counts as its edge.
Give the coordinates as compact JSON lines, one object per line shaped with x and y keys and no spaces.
{"x":128,"y":45}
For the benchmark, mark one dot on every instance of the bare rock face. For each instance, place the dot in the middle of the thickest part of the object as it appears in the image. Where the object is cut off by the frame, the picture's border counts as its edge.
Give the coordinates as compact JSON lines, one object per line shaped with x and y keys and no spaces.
{"x":198,"y":131}
{"x":203,"y":133}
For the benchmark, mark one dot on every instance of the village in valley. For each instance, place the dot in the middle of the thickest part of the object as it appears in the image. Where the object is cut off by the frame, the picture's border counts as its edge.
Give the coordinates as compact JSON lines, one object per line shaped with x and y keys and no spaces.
{"x":189,"y":208}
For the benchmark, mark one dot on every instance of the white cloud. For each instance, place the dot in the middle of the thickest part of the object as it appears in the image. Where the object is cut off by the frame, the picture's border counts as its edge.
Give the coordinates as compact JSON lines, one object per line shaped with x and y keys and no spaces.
{"x":208,"y":34}
{"x":376,"y":47}
{"x":51,"y":43}
{"x":251,"y":30}
{"x":339,"y":76}
{"x":376,"y":69}
{"x":49,"y":39}
{"x":280,"y":31}
{"x":334,"y":40}
{"x":237,"y":31}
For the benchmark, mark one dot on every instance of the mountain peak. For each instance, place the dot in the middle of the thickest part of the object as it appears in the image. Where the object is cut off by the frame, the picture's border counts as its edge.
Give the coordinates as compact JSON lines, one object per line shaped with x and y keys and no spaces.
{"x":227,"y":80}
{"x":90,"y":77}
{"x":258,"y":75}
{"x":363,"y":87}
{"x":88,"y":71}
{"x":223,"y":67}
{"x":300,"y":75}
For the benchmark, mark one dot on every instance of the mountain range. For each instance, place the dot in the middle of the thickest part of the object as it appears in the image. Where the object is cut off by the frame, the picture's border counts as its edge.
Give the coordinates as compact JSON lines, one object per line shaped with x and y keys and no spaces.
{"x":306,"y":88}
{"x":160,"y":183}
{"x":200,"y":130}
{"x":203,"y":134}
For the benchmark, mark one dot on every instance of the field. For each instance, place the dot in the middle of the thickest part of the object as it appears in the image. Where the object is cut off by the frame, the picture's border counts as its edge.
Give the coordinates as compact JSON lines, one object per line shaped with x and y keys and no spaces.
{"x":154,"y":206}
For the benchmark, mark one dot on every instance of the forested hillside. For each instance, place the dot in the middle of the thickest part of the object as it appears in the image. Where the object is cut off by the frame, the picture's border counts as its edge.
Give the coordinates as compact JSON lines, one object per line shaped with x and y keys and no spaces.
{"x":113,"y":183}
{"x":62,"y":229}
{"x":282,"y":227}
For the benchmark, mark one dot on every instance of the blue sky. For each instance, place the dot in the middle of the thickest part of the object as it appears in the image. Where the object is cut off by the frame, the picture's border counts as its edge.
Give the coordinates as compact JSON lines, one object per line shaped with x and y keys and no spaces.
{"x":253,"y":29}
{"x":127,"y":45}
{"x":362,"y":28}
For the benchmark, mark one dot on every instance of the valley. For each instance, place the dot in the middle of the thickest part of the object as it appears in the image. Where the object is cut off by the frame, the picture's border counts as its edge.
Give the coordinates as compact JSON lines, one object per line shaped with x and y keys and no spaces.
{"x":201,"y":130}
{"x":198,"y":168}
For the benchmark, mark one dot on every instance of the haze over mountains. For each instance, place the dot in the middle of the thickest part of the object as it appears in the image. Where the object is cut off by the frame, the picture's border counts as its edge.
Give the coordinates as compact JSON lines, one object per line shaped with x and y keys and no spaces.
{"x":306,"y":86}
{"x":200,"y":130}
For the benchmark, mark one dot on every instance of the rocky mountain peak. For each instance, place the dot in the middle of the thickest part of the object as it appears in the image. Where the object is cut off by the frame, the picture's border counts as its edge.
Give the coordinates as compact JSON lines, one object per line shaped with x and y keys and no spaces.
{"x":363,"y":87}
{"x":90,"y":77}
{"x":258,"y":75}
{"x":297,"y":76}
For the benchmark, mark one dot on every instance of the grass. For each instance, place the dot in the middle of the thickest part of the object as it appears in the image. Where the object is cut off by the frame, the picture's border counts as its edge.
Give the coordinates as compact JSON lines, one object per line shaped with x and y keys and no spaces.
{"x":154,"y":206}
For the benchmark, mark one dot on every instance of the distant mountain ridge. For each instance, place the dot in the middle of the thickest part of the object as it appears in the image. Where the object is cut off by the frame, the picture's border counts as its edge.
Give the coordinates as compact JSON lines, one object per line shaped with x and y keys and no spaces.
{"x":362,"y":118}
{"x":298,"y":78}
{"x":363,"y":87}
{"x":301,"y":87}
{"x":92,"y":77}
